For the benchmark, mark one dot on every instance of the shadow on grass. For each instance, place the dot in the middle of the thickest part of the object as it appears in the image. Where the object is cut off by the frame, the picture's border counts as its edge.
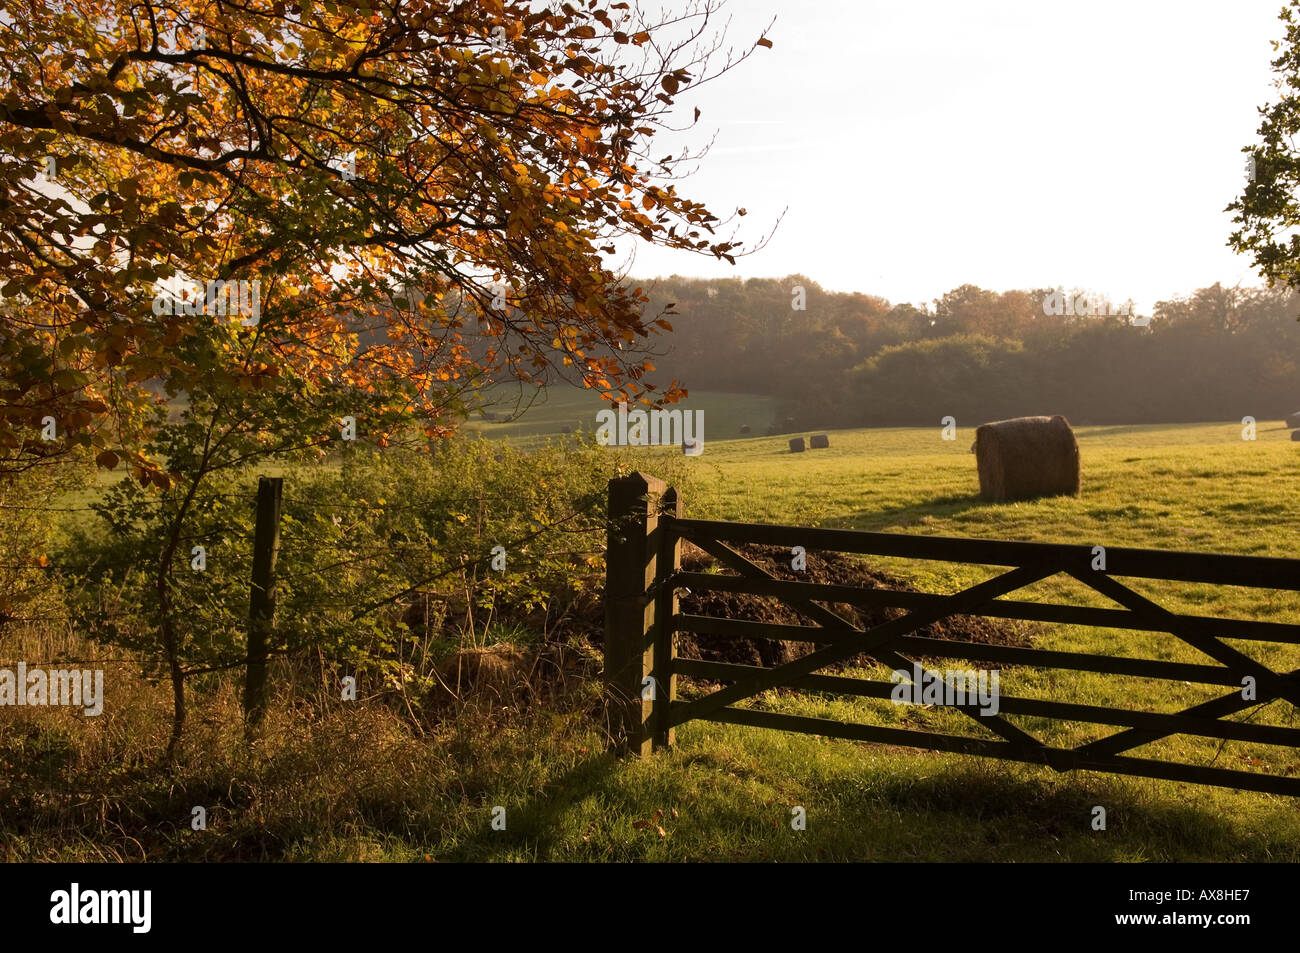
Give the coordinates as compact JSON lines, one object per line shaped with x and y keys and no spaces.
{"x":722,"y":810}
{"x":533,"y":827}
{"x":986,"y":813}
{"x":878,"y":520}
{"x":988,"y":810}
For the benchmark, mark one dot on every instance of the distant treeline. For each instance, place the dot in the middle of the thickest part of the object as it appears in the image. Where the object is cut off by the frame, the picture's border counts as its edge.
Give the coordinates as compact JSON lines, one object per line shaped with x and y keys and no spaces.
{"x":858,"y":360}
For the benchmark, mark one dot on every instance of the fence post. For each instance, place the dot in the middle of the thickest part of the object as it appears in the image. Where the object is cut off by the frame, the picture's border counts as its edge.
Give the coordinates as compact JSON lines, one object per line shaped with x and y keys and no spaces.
{"x":261,"y":608}
{"x":631,"y":559}
{"x":665,"y":640}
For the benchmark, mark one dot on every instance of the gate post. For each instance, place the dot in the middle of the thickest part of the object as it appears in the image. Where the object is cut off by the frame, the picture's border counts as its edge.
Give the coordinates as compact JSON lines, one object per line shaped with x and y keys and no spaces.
{"x":632,"y":568}
{"x":665,"y":639}
{"x":261,"y":612}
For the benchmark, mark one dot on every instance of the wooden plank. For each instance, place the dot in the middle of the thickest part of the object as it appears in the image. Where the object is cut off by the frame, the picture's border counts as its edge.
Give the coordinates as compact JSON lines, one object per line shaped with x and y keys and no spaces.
{"x":1256,"y":571}
{"x":1139,"y":767}
{"x":839,"y":639}
{"x":994,"y":609}
{"x":1266,"y":679}
{"x":1175,"y":723}
{"x":826,"y":617}
{"x":665,"y":639}
{"x":261,"y":601}
{"x":1216,"y":708}
{"x":745,"y":629}
{"x":870,"y":642}
{"x":630,"y":571}
{"x":1075,"y":661}
{"x":952,"y":649}
{"x":802,"y":724}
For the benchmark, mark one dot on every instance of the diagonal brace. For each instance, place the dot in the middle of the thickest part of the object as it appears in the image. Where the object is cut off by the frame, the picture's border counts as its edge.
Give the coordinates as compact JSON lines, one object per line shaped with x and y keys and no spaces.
{"x":1236,"y":662}
{"x":862,"y":641}
{"x":830,"y":619}
{"x":1272,"y":685}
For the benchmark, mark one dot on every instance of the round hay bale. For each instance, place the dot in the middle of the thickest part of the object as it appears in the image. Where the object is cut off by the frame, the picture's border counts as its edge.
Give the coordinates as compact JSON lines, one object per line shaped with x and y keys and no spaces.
{"x":819,"y":441}
{"x":796,"y":445}
{"x":1295,"y":434}
{"x":1026,"y":458}
{"x":1293,"y":421}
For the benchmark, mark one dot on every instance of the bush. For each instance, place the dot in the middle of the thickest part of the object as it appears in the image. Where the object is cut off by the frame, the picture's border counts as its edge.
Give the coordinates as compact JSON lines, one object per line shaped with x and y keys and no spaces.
{"x":385,"y":564}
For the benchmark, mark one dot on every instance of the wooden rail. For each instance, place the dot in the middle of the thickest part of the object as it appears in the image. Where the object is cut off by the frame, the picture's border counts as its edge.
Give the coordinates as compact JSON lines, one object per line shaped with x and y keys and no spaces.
{"x":644,"y":576}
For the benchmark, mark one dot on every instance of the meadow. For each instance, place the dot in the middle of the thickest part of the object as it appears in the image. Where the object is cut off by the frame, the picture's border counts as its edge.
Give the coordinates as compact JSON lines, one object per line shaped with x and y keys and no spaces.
{"x":539,"y":414}
{"x":366,"y":782}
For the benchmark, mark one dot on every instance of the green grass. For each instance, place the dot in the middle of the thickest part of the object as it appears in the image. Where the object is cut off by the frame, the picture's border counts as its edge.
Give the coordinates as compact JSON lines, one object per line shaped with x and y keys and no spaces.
{"x":358,"y":786}
{"x":1198,"y":487}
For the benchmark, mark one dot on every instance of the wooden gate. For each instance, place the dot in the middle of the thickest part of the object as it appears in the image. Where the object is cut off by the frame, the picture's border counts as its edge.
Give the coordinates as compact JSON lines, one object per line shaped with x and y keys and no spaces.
{"x":644,"y":576}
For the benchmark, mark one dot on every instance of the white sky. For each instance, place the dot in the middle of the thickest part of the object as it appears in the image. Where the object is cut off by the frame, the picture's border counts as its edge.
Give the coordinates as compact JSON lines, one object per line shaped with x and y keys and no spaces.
{"x":923,"y":145}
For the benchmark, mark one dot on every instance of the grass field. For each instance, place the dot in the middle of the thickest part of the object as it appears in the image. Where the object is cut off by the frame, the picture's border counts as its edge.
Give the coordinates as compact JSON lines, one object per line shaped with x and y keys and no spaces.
{"x":1198,"y":487}
{"x":355,"y":785}
{"x":541,"y":414}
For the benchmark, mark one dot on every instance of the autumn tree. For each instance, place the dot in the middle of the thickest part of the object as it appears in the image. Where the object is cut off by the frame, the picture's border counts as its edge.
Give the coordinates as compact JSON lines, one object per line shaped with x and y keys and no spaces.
{"x":432,"y":169}
{"x":409,"y":197}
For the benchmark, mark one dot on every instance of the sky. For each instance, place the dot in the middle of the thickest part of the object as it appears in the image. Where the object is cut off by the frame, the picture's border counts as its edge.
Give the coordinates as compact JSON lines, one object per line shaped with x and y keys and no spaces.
{"x":915,"y":147}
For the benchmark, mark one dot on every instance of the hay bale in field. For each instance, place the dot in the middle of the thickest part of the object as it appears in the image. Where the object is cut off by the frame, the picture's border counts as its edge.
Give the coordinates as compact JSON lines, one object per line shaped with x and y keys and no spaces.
{"x":796,"y":445}
{"x":1027,"y":457}
{"x":819,"y":441}
{"x":1293,"y":421}
{"x":1295,"y":434}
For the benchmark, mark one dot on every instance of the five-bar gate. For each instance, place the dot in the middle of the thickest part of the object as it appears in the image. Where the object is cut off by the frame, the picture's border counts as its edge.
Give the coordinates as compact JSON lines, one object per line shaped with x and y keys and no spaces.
{"x":644,"y":575}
